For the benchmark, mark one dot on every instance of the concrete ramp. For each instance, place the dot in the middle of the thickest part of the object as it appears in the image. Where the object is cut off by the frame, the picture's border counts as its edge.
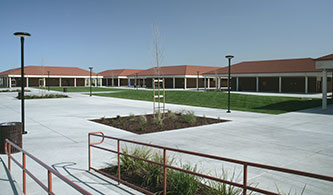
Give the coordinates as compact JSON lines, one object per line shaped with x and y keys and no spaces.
{"x":8,"y":185}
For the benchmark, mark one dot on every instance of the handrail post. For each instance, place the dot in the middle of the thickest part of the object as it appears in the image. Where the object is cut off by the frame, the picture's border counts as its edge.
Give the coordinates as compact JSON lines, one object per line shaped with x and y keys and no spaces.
{"x":118,"y":142}
{"x":24,"y":173}
{"x":165,"y":171}
{"x":9,"y":153}
{"x":49,"y":179}
{"x":244,"y":178}
{"x":89,"y":158}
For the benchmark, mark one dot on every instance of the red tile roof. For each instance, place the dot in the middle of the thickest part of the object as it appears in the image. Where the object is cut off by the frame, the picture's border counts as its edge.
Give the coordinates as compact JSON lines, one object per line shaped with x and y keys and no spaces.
{"x":328,"y":57}
{"x":270,"y":66}
{"x":176,"y":70}
{"x":54,"y":71}
{"x":119,"y":72}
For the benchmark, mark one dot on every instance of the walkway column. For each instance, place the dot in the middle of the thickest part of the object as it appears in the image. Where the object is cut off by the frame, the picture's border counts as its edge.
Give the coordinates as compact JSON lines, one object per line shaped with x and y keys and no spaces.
{"x":112,"y":82}
{"x":280,"y":84}
{"x":100,"y":82}
{"x":129,"y":81}
{"x":237,"y":83}
{"x":205,"y":82}
{"x":197,"y":83}
{"x":118,"y":82}
{"x":74,"y":82}
{"x":27,"y":82}
{"x":257,"y":84}
{"x":96,"y":84}
{"x":306,"y":84}
{"x":208,"y":86}
{"x":106,"y":82}
{"x":9,"y":82}
{"x":174,"y":82}
{"x":60,"y":82}
{"x":144,"y":82}
{"x":324,"y":89}
{"x":218,"y":80}
{"x":185,"y":83}
{"x":44,"y":82}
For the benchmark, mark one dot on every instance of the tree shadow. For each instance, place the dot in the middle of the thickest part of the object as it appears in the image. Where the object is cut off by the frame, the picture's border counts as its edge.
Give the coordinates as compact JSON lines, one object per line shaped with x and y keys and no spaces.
{"x":292,"y":105}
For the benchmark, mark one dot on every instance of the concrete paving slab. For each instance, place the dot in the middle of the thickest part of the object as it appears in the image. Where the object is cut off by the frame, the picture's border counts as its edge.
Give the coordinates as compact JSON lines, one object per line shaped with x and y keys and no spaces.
{"x":58,"y":131}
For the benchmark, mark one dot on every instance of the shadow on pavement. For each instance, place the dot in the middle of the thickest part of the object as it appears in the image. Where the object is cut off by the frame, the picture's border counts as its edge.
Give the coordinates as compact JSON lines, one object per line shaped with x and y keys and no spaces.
{"x":68,"y":168}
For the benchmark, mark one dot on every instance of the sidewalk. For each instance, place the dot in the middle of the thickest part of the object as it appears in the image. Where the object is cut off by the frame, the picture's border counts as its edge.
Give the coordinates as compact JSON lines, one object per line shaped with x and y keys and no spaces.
{"x":58,"y":129}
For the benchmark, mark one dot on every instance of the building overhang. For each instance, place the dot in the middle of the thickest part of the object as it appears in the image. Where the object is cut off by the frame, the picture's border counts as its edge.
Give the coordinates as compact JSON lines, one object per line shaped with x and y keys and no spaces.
{"x":324,"y":64}
{"x":295,"y":74}
{"x":53,"y":76}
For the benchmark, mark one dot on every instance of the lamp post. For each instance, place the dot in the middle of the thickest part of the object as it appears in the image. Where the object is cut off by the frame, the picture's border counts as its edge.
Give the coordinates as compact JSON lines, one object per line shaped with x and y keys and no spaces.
{"x":48,"y":78}
{"x":198,"y":80}
{"x":90,"y":68}
{"x":136,"y":80}
{"x":229,"y":57}
{"x":22,"y":35}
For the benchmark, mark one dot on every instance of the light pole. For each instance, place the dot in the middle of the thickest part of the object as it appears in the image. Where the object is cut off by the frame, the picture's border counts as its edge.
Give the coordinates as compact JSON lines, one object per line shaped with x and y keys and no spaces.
{"x":22,"y":35}
{"x":136,"y":80}
{"x":198,"y":80}
{"x":48,"y":78}
{"x":90,"y":68}
{"x":229,"y":57}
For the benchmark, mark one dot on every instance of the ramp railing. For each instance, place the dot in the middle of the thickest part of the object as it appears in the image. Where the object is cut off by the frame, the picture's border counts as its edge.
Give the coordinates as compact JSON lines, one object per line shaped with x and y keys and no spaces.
{"x":50,"y":171}
{"x":165,"y":166}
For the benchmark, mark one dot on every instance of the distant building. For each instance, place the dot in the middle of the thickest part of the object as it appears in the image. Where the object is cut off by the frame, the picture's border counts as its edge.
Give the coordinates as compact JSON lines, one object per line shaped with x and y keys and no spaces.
{"x":42,"y":76}
{"x":182,"y":76}
{"x":118,"y":77}
{"x":286,"y":75}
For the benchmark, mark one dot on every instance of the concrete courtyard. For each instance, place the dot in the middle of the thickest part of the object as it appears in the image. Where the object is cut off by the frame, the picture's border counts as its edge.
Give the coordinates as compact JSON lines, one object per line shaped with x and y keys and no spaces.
{"x":58,"y":129}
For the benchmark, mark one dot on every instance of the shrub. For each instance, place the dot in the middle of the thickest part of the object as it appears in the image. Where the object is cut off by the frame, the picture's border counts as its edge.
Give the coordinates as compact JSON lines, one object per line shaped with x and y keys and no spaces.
{"x":157,"y":121}
{"x":110,"y":121}
{"x":131,"y":116}
{"x":171,"y":115}
{"x":188,"y":117}
{"x":142,"y":119}
{"x":183,"y":183}
{"x":217,"y":188}
{"x":131,"y":165}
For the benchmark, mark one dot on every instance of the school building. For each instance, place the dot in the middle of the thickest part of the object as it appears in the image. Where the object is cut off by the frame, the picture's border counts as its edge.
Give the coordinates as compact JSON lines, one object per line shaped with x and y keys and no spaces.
{"x":181,"y":76}
{"x":42,"y":76}
{"x":118,"y":77}
{"x":282,"y":76}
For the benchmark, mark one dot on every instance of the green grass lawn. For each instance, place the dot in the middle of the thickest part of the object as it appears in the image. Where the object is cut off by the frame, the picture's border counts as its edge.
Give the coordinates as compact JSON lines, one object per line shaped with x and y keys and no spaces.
{"x":80,"y":89}
{"x":252,"y":103}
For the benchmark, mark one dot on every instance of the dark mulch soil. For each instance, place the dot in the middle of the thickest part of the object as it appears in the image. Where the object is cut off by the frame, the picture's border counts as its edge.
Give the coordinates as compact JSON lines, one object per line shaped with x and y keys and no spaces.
{"x":135,"y":125}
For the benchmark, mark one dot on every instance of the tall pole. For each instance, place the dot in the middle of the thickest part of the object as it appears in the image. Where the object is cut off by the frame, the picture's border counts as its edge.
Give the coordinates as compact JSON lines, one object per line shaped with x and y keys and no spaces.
{"x":22,"y":86}
{"x":229,"y":57}
{"x":90,"y":68}
{"x":197,"y":80}
{"x":136,"y":80}
{"x":22,"y":35}
{"x":48,"y":78}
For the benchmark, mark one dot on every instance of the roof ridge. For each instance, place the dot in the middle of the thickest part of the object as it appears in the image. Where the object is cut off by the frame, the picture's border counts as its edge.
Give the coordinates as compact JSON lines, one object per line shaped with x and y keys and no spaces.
{"x":278,"y":60}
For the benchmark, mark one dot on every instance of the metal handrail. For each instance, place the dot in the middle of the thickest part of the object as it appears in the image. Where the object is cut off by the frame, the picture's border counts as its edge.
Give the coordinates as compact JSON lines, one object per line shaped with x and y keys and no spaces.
{"x":245,"y":164}
{"x":50,"y":171}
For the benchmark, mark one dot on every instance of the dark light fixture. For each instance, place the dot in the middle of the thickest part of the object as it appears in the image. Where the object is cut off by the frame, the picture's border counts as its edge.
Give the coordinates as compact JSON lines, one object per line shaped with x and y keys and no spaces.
{"x":229,"y":57}
{"x":22,"y":35}
{"x":90,"y":68}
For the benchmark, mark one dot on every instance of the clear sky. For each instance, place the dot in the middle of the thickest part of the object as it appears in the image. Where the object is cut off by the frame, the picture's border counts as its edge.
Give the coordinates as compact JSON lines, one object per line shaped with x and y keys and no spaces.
{"x":113,"y":34}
